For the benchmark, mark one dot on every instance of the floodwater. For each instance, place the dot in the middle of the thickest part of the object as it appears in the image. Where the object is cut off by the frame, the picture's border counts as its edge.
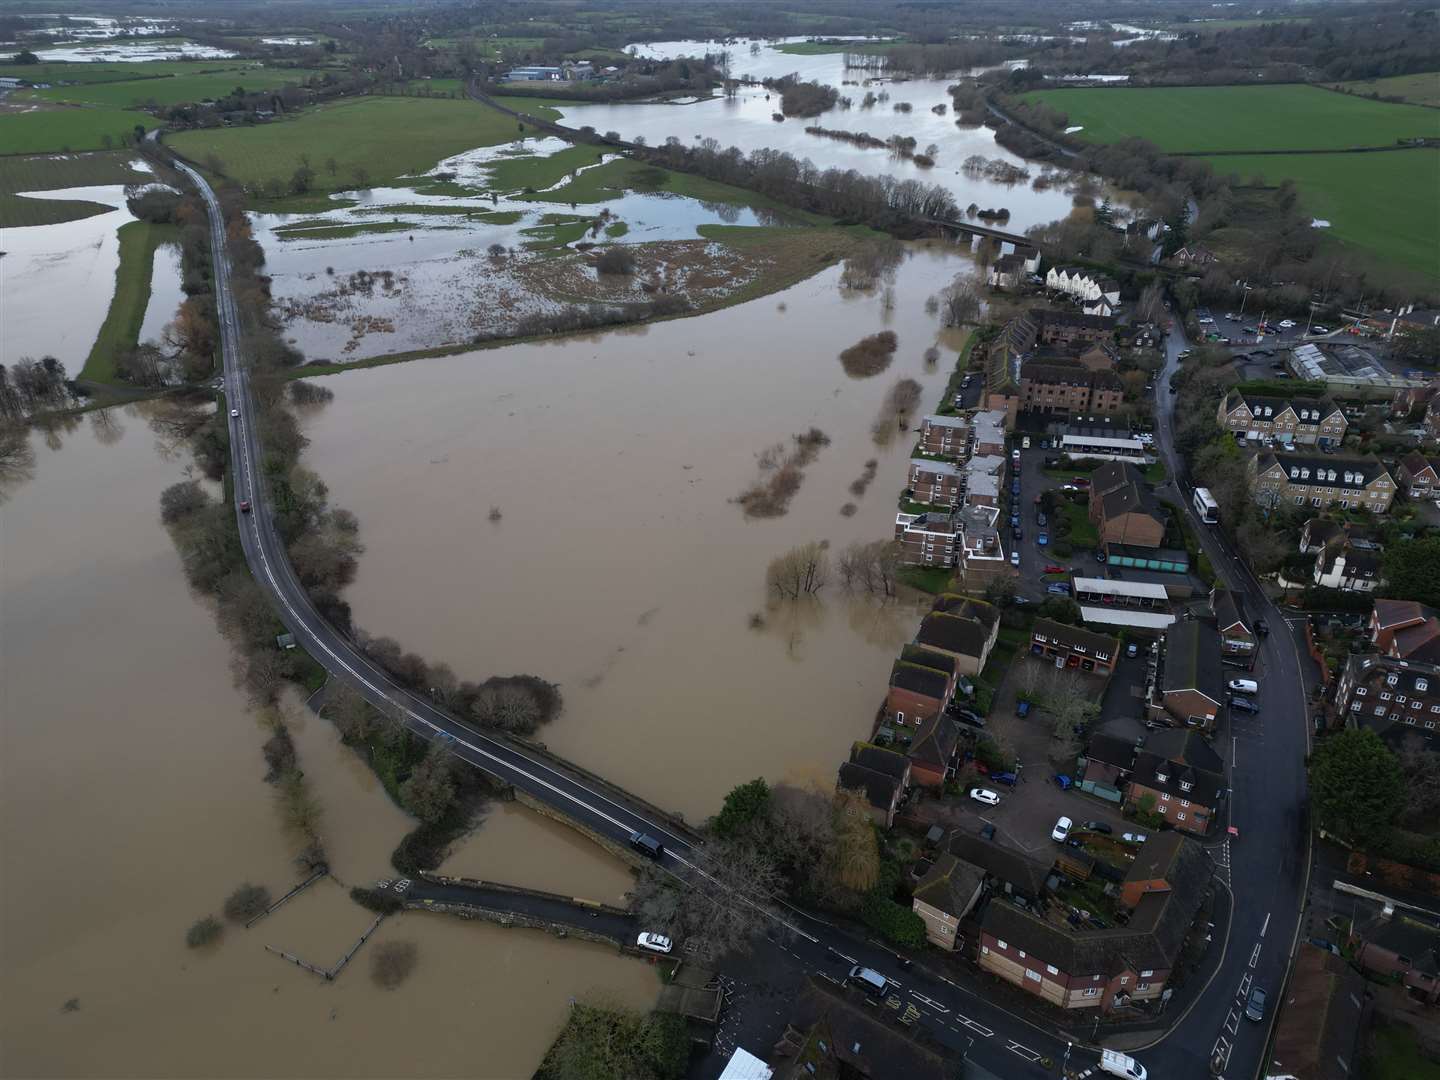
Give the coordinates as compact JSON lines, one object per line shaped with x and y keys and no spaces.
{"x":443,"y":287}
{"x":131,"y":803}
{"x":74,"y":260}
{"x":135,"y":52}
{"x":746,"y":121}
{"x":619,"y":567}
{"x":165,"y":292}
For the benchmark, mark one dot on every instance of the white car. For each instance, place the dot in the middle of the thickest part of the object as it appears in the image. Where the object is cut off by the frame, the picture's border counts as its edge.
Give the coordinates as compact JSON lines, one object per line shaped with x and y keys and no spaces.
{"x":985,"y":795}
{"x":654,"y":943}
{"x":234,"y":413}
{"x":1014,"y":558}
{"x":1134,"y":837}
{"x":1287,"y":324}
{"x":1062,"y":829}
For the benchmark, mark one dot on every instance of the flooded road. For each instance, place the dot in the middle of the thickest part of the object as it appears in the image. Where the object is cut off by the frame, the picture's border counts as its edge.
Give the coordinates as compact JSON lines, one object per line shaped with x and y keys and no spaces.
{"x":619,"y":566}
{"x":131,"y":804}
{"x":747,"y":121}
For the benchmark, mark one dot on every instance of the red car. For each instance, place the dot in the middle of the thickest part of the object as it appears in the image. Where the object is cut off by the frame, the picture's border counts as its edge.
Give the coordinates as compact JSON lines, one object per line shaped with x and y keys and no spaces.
{"x":1056,"y":570}
{"x":244,"y":506}
{"x":1080,"y":481}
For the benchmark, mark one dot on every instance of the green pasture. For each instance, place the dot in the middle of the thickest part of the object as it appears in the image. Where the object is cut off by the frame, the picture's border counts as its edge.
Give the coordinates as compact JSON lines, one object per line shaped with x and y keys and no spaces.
{"x":51,"y":173}
{"x":64,"y":128}
{"x":175,"y":89}
{"x":1422,"y":89}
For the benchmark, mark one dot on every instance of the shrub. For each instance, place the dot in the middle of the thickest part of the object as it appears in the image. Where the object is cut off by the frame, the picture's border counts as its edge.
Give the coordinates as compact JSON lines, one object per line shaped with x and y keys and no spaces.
{"x":382,"y":903}
{"x":894,"y":922}
{"x":616,"y":260}
{"x":870,"y":355}
{"x":246,"y":902}
{"x":392,"y":962}
{"x":203,"y":932}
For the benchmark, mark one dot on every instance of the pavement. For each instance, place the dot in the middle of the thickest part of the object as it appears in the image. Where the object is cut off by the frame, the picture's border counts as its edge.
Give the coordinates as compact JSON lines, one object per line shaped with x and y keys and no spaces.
{"x":1267,"y":869}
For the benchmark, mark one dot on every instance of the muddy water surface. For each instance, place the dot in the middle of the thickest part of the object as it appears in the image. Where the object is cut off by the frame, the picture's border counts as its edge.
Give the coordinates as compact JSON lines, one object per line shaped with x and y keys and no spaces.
{"x":619,"y":567}
{"x":131,"y":803}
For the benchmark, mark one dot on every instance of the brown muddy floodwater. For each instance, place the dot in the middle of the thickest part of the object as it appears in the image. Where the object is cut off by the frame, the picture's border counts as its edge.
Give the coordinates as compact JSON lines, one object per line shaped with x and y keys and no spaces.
{"x":131,"y":803}
{"x":619,"y":567}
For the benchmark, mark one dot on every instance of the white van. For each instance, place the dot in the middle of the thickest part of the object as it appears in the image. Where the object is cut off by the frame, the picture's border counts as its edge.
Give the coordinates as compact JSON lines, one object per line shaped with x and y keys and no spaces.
{"x":1244,"y":686}
{"x":1123,"y":1065}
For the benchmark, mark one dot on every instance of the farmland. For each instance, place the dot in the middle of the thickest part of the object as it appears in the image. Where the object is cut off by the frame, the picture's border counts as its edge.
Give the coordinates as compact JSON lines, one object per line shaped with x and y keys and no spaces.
{"x":1422,"y":89}
{"x":1382,"y":203}
{"x":53,"y":173}
{"x":56,"y":72}
{"x":66,"y":128}
{"x":173,"y":89}
{"x":386,"y":136}
{"x":1238,"y":118}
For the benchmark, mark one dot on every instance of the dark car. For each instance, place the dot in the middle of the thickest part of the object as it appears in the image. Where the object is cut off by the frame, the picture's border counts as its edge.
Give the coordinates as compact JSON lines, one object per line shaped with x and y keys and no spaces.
{"x":1255,"y":1007}
{"x":967,"y":716}
{"x":647,"y":845}
{"x":1022,"y":709}
{"x":1097,"y":826}
{"x":1244,"y":704}
{"x":1007,"y":778}
{"x":244,"y":506}
{"x":1262,"y":627}
{"x":1018,"y":534}
{"x":1041,"y":519}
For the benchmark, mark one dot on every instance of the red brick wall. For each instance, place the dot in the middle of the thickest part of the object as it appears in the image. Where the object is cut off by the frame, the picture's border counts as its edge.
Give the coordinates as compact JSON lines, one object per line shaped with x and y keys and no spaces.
{"x":917,"y":708}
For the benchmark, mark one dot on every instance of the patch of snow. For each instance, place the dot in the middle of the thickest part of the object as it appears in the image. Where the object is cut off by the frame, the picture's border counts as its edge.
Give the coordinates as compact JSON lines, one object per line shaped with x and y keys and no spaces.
{"x":1319,"y":223}
{"x":1072,"y":130}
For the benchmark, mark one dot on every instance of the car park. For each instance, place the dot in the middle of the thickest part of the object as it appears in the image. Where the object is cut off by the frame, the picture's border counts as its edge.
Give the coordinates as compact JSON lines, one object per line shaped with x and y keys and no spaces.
{"x":1255,"y":1006}
{"x":1134,"y":837}
{"x":654,"y":943}
{"x":985,"y":795}
{"x":1061,"y":830}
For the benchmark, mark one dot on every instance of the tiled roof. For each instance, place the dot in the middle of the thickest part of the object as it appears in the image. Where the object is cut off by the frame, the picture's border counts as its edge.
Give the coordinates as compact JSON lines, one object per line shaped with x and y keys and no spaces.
{"x":1204,"y":787}
{"x":1062,"y":633}
{"x":928,"y":658}
{"x":1229,"y":610}
{"x":881,"y":760}
{"x":879,"y":789}
{"x":1362,"y":470}
{"x":1007,"y":865}
{"x":1192,"y":659}
{"x":959,"y":634}
{"x":1189,"y":747}
{"x":919,"y":680}
{"x":981,"y":610}
{"x":935,"y":742}
{"x":1390,"y":613}
{"x":950,"y":884}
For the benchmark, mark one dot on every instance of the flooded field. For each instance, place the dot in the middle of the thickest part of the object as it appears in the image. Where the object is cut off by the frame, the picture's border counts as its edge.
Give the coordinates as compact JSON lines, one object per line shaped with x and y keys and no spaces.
{"x":165,"y":292}
{"x":398,"y":269}
{"x":131,"y":803}
{"x":71,"y":264}
{"x":620,"y":567}
{"x":747,"y":121}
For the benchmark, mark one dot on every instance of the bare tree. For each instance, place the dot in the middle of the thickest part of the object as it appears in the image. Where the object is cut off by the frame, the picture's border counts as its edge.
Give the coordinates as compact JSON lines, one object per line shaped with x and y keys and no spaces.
{"x":855,"y":858}
{"x":723,"y":904}
{"x":392,"y":962}
{"x":869,"y":568}
{"x":429,"y":792}
{"x":801,"y":571}
{"x":960,"y":302}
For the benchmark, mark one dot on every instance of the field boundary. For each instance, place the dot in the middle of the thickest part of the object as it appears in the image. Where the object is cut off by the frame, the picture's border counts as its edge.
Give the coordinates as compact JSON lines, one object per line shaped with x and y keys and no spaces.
{"x":139,"y":241}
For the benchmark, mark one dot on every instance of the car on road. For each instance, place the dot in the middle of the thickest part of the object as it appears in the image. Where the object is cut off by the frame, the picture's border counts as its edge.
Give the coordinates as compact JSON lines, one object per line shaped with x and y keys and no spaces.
{"x":244,"y":506}
{"x":1041,"y":519}
{"x":654,"y":943}
{"x":647,"y":845}
{"x":1244,"y":704}
{"x":985,"y":795}
{"x":1043,"y":539}
{"x":1053,"y":569}
{"x":234,"y":413}
{"x":1062,"y":829}
{"x":1097,"y":826}
{"x":1017,"y":533}
{"x":1230,"y":316}
{"x":1122,"y":1065}
{"x":1255,"y":1007}
{"x":1319,"y":330}
{"x":1134,"y":837}
{"x":869,"y":980}
{"x":1014,"y":520}
{"x":1262,"y":627}
{"x":1014,"y":558}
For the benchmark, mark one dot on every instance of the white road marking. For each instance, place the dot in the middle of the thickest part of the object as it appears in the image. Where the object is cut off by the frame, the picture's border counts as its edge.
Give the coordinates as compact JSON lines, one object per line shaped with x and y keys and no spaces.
{"x":933,"y":1004}
{"x":1254,"y":956}
{"x":1266,"y":925}
{"x":1022,"y":1051}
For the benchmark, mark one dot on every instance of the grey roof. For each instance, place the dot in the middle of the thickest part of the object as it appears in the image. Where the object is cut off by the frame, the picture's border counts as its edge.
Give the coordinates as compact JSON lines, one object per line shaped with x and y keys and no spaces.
{"x":1182,"y":745}
{"x":929,"y":658}
{"x":960,"y":634}
{"x":935,"y":742}
{"x":1192,"y":659}
{"x":1229,"y":610}
{"x":1111,"y":750}
{"x":946,"y":421}
{"x":1369,"y":469}
{"x":1014,"y":868}
{"x":1131,"y":499}
{"x":1072,"y":318}
{"x":881,"y":760}
{"x":920,"y":680}
{"x":950,"y":884}
{"x":944,"y":468}
{"x":879,"y":788}
{"x":1204,"y":789}
{"x":982,"y":611}
{"x":1113,"y":475}
{"x":1102,"y":645}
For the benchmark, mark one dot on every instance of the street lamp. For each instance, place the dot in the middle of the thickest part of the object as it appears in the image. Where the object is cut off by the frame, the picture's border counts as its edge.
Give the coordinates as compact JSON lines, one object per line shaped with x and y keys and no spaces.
{"x":1246,"y":296}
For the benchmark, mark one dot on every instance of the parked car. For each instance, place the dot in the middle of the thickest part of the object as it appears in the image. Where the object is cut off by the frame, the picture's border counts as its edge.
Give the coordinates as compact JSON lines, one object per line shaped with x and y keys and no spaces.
{"x":965,"y":686}
{"x":1009,"y":779}
{"x":1018,"y":533}
{"x":1097,"y":826}
{"x":1043,"y":539}
{"x":1255,"y":1007}
{"x":1053,"y":569}
{"x":1041,"y":519}
{"x":1244,"y":704}
{"x":1287,"y":324}
{"x":987,"y":831}
{"x":1244,"y":686}
{"x":1122,"y":1065}
{"x":1014,"y":520}
{"x":985,"y":795}
{"x":1132,"y":650}
{"x":1015,"y":558}
{"x":1134,"y":837}
{"x":1058,"y":588}
{"x":1319,"y":330}
{"x":1062,"y":781}
{"x":968,"y":716}
{"x":654,"y":942}
{"x":1061,"y":830}
{"x":1022,"y":709}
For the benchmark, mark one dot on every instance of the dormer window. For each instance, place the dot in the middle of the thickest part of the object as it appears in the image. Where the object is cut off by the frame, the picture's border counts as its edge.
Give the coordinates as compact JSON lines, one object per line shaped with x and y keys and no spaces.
{"x":1162,"y":777}
{"x":1392,"y":679}
{"x":1185,"y":785}
{"x":1421,"y":685}
{"x":1294,"y":473}
{"x":1304,"y":474}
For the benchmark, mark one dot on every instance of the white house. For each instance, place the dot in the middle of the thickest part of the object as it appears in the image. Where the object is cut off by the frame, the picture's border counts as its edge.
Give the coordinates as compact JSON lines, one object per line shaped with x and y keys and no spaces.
{"x":1085,"y":286}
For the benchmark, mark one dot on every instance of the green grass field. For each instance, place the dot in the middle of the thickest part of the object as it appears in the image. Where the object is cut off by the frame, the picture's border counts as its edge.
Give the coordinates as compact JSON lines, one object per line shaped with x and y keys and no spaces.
{"x":544,"y":108}
{"x":518,"y":173}
{"x":175,"y":90}
{"x":387,"y":136}
{"x":20,"y":173}
{"x":1396,"y":1055}
{"x":822,"y":48}
{"x":1382,"y":203}
{"x":121,"y":328}
{"x":73,"y":72}
{"x":1422,"y":89}
{"x":1211,"y":118}
{"x":66,"y":128}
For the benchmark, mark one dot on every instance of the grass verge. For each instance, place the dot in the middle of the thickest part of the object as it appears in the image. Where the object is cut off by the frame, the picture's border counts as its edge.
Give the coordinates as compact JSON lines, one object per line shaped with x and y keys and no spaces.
{"x":121,"y":328}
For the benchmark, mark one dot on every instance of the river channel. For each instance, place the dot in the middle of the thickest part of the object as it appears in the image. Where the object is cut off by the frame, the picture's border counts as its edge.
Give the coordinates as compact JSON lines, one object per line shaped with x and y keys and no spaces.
{"x":132,"y":803}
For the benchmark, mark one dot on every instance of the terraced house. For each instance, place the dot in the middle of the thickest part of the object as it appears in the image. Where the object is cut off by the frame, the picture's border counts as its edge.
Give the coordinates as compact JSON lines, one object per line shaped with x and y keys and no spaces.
{"x":1062,"y":385}
{"x":931,"y":539}
{"x":1302,"y":421}
{"x":922,"y":682}
{"x":1281,"y":479}
{"x":934,"y":483}
{"x":944,"y":436}
{"x":961,"y":627}
{"x":1397,"y":699}
{"x":1181,"y":776}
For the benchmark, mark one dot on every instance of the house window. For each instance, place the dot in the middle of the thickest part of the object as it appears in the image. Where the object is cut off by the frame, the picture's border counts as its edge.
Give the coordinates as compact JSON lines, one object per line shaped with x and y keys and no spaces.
{"x":1164,"y":798}
{"x":984,"y":950}
{"x":1179,"y":817}
{"x":899,"y":717}
{"x":1000,"y":944}
{"x":1355,"y":707}
{"x":1146,"y":973}
{"x":1384,"y":696}
{"x":1162,"y":777}
{"x":1141,"y":986}
{"x":1379,"y":710}
{"x":1124,"y":980}
{"x":1361,"y":691}
{"x":1185,"y":785}
{"x":1089,"y":991}
{"x":1034,"y":976}
{"x":1392,"y":679}
{"x":1052,"y":969}
{"x":1185,"y":802}
{"x":1022,"y":954}
{"x":1422,"y":685}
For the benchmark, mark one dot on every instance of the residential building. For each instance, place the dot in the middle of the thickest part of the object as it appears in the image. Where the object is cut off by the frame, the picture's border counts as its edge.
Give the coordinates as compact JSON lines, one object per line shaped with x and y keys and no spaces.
{"x":1409,"y":398}
{"x":1405,"y":630}
{"x":534,"y":73}
{"x":835,"y":1033}
{"x":1083,"y":285}
{"x":1069,"y":328}
{"x":881,"y":791}
{"x":881,"y":759}
{"x":1283,"y":479}
{"x":1193,"y":256}
{"x":1192,"y":684}
{"x":1419,"y":475}
{"x":1008,"y":872}
{"x":962,"y":628}
{"x":1099,"y":356}
{"x":1007,"y":272}
{"x":946,"y":894}
{"x":945,"y":436}
{"x":1101,"y":969}
{"x":1397,"y":699}
{"x":982,"y":558}
{"x":930,"y":539}
{"x":1127,"y":513}
{"x":989,"y":429}
{"x":934,"y":483}
{"x":1183,"y":775}
{"x":1237,"y":632}
{"x":1107,"y":763}
{"x":982,"y":480}
{"x":922,"y":682}
{"x":1403,"y":946}
{"x":932,"y":751}
{"x":1074,"y":648}
{"x":1102,"y":305}
{"x":1432,"y":418}
{"x":1320,"y":1030}
{"x":1065,"y":386}
{"x":1301,"y":421}
{"x":1318,"y":534}
{"x":1353,"y":565}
